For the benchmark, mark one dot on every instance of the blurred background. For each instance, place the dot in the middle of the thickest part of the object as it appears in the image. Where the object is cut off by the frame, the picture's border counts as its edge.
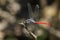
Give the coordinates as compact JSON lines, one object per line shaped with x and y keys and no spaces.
{"x":18,"y":17}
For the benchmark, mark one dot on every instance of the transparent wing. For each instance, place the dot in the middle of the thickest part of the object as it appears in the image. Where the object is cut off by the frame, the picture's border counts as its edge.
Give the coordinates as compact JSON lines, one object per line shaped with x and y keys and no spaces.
{"x":36,"y":12}
{"x":30,"y":10}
